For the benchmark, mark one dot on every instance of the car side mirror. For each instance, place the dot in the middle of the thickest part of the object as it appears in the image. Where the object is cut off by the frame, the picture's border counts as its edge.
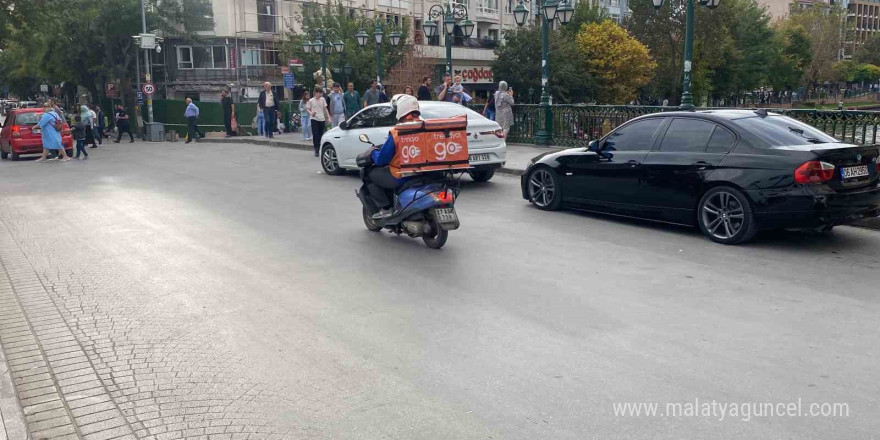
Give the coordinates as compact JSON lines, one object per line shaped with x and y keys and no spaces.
{"x":364,"y":139}
{"x":343,"y":125}
{"x":593,"y":146}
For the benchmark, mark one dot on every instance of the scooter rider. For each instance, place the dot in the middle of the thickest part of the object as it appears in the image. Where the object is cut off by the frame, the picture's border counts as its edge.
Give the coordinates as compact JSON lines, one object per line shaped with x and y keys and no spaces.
{"x":380,"y":176}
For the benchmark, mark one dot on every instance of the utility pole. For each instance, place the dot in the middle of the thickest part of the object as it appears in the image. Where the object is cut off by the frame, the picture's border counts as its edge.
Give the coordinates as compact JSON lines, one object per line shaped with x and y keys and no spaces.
{"x":147,"y":66}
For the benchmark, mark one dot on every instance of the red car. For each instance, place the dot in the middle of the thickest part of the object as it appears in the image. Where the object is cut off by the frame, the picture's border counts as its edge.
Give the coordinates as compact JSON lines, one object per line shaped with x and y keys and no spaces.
{"x":21,"y":134}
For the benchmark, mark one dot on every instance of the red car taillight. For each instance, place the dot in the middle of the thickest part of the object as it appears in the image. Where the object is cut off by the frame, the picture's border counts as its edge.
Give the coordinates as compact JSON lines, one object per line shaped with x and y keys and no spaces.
{"x":16,"y":131}
{"x":814,"y":171}
{"x":443,"y":196}
{"x":499,"y":133}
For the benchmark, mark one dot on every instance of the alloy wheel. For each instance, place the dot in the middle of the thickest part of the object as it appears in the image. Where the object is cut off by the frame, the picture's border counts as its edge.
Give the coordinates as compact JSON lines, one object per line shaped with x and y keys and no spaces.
{"x":328,"y":160}
{"x":542,"y":188}
{"x":723,"y":215}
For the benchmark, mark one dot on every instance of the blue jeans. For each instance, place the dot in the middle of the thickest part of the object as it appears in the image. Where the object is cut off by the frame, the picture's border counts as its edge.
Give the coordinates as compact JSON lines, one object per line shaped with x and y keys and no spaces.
{"x":307,"y":126}
{"x":81,"y":147}
{"x":269,"y":120}
{"x":261,"y":124}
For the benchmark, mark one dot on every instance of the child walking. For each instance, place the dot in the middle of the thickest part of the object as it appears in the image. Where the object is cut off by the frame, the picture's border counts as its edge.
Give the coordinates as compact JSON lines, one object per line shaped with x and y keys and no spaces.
{"x":79,"y":134}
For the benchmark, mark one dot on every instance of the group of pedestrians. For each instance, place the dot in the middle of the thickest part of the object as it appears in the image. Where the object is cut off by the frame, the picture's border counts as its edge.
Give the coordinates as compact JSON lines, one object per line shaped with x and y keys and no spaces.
{"x":86,"y":127}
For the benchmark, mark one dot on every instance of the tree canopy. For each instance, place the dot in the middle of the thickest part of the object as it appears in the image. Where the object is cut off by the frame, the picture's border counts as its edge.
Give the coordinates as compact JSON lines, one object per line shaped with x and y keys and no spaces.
{"x":619,"y":62}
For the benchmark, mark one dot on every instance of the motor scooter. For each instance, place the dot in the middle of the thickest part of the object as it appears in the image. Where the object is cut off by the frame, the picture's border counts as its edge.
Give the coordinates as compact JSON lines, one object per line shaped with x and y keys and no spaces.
{"x":424,"y":206}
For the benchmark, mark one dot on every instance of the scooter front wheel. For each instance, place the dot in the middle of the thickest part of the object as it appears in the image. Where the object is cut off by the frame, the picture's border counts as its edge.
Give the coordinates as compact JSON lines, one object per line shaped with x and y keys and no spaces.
{"x":437,"y":238}
{"x":369,"y":222}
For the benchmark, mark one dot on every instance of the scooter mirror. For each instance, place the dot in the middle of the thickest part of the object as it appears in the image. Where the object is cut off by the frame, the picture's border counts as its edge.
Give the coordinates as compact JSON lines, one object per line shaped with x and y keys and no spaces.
{"x":364,"y":139}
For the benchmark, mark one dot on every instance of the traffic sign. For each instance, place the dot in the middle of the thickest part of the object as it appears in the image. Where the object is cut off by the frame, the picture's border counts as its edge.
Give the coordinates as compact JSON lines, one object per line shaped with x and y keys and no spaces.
{"x":140,"y":97}
{"x":288,"y":80}
{"x":148,"y":88}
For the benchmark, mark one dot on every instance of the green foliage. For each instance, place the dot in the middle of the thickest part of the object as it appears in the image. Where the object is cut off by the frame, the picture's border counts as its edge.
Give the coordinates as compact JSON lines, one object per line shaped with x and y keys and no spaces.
{"x":851,"y":71}
{"x":869,"y":52}
{"x":518,"y":60}
{"x":362,"y":59}
{"x":823,"y":25}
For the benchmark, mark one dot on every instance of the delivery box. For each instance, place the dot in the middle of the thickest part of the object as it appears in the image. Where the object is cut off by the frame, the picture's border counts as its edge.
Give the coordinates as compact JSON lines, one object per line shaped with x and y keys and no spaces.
{"x":433,"y":145}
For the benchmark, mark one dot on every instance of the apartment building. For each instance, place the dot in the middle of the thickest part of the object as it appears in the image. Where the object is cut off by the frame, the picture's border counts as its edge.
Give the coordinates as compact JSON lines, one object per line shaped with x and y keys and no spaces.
{"x":243,"y":49}
{"x":862,"y":23}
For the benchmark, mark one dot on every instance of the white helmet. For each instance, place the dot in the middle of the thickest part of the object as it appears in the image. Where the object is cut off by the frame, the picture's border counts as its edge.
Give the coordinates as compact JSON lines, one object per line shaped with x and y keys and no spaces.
{"x":405,"y":104}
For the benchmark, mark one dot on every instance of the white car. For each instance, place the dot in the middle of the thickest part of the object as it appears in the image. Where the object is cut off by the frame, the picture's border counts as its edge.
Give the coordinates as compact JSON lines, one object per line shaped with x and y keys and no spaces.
{"x":340,"y":145}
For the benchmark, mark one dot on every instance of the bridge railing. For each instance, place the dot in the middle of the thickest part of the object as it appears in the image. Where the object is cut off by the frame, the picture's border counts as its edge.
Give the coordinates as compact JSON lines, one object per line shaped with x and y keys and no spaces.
{"x":577,"y":125}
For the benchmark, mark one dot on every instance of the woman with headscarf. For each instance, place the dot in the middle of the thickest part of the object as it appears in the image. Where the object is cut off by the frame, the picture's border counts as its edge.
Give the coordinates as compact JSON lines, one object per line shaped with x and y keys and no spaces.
{"x":89,"y":123}
{"x":504,"y":107}
{"x":51,"y":135}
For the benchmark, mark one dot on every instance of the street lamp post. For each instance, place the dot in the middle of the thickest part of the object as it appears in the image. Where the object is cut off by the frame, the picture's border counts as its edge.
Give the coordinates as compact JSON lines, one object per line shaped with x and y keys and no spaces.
{"x":394,"y":37}
{"x":551,"y":10}
{"x":454,"y":14}
{"x":321,"y":44}
{"x":687,"y":99}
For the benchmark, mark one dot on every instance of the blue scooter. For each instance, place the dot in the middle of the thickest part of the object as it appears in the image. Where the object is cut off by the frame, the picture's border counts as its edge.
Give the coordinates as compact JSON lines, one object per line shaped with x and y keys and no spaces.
{"x":423,"y":207}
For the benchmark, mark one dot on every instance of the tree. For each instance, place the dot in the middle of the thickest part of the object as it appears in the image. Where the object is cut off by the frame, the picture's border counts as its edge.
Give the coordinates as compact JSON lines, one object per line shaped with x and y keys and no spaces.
{"x":345,"y":25}
{"x":620,"y":63}
{"x":824,"y":25}
{"x":867,"y":73}
{"x":869,"y":52}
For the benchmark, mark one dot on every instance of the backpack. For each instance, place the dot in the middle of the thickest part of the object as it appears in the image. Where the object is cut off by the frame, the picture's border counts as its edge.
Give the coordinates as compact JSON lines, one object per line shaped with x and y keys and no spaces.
{"x":58,"y":124}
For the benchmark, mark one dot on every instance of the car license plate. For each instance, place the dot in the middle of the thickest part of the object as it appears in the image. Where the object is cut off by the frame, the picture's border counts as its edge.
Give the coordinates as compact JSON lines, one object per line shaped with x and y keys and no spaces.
{"x":36,"y":131}
{"x":851,"y":172}
{"x":479,"y":157}
{"x":445,"y":215}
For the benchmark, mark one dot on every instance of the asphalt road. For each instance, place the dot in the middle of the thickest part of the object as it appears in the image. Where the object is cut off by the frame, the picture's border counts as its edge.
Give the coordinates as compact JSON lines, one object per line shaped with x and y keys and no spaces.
{"x":234,"y":289}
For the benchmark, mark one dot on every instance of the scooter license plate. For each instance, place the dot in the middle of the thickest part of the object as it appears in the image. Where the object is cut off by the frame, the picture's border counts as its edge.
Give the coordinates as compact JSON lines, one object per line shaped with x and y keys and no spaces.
{"x":445,"y":215}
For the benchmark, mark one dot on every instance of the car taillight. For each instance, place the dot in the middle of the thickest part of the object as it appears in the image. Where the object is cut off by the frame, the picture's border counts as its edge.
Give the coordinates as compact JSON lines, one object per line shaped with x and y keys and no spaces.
{"x":443,"y":196}
{"x":16,"y":131}
{"x":814,"y":171}
{"x":499,"y":133}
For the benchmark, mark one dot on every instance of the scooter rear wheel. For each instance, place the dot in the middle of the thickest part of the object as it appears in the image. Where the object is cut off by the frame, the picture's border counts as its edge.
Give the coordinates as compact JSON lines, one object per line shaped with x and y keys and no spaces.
{"x":369,"y":222}
{"x":438,"y":235}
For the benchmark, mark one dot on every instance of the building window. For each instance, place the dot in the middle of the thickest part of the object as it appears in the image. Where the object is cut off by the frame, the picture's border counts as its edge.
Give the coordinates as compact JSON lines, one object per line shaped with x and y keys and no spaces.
{"x":259,"y":56}
{"x":266,"y":15}
{"x":493,"y":34}
{"x":202,"y":57}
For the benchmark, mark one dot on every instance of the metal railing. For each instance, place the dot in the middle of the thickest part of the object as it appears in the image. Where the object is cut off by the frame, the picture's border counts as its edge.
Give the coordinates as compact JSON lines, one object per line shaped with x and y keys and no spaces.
{"x":577,"y":125}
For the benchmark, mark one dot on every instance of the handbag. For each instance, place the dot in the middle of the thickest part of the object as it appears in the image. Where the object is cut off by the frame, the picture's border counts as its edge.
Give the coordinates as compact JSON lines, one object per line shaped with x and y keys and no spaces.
{"x":234,"y":124}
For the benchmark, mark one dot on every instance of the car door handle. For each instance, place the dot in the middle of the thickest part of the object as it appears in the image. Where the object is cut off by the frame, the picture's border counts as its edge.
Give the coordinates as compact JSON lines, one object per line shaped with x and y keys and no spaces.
{"x":632,"y":163}
{"x":702,"y":165}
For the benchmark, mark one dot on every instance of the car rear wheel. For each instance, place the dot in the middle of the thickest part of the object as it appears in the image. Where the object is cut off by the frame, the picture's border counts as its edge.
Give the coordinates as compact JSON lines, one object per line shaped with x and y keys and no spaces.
{"x":725,"y":216}
{"x":544,"y":190}
{"x":329,"y":161}
{"x":4,"y":155}
{"x":14,"y":156}
{"x":482,"y":175}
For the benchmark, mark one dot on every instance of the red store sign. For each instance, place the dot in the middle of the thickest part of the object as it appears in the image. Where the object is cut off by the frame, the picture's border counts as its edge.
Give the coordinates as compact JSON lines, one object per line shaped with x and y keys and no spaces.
{"x":475,"y":74}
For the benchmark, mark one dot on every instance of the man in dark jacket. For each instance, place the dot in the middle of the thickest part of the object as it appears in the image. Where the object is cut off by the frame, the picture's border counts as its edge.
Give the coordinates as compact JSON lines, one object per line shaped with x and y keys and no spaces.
{"x":269,"y":103}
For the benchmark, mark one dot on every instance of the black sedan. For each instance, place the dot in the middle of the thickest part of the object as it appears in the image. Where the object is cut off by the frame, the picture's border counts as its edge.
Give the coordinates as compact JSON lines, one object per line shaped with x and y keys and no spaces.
{"x":730,"y":172}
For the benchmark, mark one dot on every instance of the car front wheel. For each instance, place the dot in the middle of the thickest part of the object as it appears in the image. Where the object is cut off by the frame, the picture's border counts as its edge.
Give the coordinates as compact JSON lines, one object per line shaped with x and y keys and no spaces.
{"x":482,"y":175}
{"x":544,"y":190}
{"x":725,"y":216}
{"x":329,"y":161}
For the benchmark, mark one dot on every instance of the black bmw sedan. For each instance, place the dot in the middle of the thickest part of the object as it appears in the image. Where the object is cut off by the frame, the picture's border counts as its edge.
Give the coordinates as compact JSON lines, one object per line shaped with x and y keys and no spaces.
{"x":730,"y":172}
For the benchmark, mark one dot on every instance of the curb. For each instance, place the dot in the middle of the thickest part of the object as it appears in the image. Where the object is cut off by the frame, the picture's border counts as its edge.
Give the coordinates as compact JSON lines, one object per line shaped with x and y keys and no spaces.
{"x":12,"y":423}
{"x":307,"y":147}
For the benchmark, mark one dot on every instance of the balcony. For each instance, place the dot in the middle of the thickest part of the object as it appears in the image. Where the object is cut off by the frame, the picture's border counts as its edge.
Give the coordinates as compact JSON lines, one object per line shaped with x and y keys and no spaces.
{"x":262,"y":73}
{"x":487,"y":10}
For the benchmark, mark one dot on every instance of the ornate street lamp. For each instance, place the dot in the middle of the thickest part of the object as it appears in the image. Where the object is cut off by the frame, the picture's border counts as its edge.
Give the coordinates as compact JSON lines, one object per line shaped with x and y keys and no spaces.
{"x":550,"y":10}
{"x":394,"y":37}
{"x":307,"y":46}
{"x":454,"y":13}
{"x":687,"y":99}
{"x":321,"y":44}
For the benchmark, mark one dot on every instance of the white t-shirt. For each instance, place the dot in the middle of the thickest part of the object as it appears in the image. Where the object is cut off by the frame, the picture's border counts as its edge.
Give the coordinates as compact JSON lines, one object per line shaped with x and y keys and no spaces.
{"x":317,"y":107}
{"x":270,"y":99}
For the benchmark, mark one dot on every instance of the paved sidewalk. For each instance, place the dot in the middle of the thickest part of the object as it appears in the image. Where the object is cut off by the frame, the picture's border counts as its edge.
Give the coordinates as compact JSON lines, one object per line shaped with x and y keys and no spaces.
{"x":518,"y":155}
{"x":12,"y":425}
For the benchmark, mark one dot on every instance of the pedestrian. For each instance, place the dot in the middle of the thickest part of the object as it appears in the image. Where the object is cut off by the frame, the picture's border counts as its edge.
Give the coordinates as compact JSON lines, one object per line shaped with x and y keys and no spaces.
{"x":424,"y":93}
{"x":665,"y":102}
{"x":94,"y":116}
{"x":79,"y":135}
{"x":269,"y":103}
{"x":444,"y":91}
{"x":408,"y":91}
{"x":101,"y":126}
{"x":228,"y":111}
{"x":371,"y":96}
{"x":337,"y":105}
{"x":305,"y":118}
{"x":352,"y":100}
{"x":317,"y":108}
{"x":192,"y":121}
{"x":260,"y":121}
{"x":504,"y":107}
{"x":489,"y":109}
{"x":382,"y":96}
{"x":122,"y":124}
{"x":85,"y":115}
{"x":50,"y":125}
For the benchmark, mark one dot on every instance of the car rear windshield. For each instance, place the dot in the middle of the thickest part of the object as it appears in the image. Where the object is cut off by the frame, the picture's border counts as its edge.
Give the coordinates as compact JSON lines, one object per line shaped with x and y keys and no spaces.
{"x":448,"y":111}
{"x":30,"y":118}
{"x":780,"y":131}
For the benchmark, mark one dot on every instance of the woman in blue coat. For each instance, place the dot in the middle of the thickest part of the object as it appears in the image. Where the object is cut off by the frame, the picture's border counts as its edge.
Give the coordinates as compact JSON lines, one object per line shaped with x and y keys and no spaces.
{"x":51,"y":136}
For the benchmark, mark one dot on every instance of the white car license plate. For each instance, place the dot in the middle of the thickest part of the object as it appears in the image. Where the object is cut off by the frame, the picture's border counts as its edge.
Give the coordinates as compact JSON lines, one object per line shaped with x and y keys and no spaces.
{"x":445,"y":215}
{"x":851,"y":172}
{"x":36,"y":131}
{"x":479,"y":157}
